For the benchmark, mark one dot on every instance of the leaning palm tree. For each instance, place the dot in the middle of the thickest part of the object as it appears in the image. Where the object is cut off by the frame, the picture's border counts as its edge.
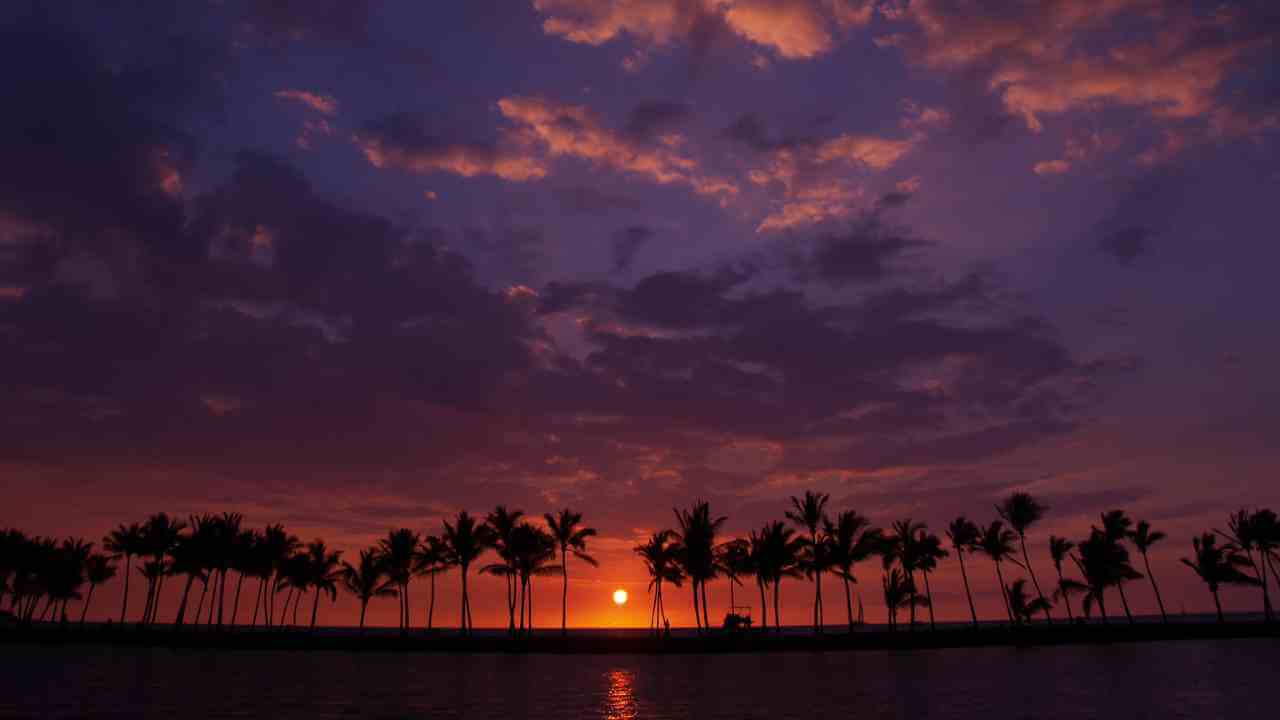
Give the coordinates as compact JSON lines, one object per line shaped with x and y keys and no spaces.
{"x":996,"y":542}
{"x":850,"y":540}
{"x":659,"y":556}
{"x":126,"y":541}
{"x":323,"y":572}
{"x":809,"y":513}
{"x":1218,"y":565}
{"x":399,"y":550}
{"x":160,"y":534}
{"x":501,"y":523}
{"x":1115,"y":528}
{"x":98,"y":569}
{"x":464,"y":540}
{"x":1022,"y":511}
{"x":1143,"y":538}
{"x":190,"y":558}
{"x":367,"y":580}
{"x":928,"y":550}
{"x":570,"y":537}
{"x":1024,"y":607}
{"x":899,"y":593}
{"x":1246,"y":530}
{"x":697,"y":536}
{"x":780,"y":557}
{"x":964,"y":535}
{"x":277,"y":546}
{"x":1060,"y":549}
{"x":1104,"y":563}
{"x":432,"y":560}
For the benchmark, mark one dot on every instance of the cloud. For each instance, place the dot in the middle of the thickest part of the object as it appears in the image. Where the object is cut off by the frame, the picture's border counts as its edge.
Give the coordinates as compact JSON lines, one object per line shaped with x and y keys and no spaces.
{"x":865,"y":252}
{"x":407,"y":142}
{"x":627,"y":243}
{"x":323,"y":104}
{"x":649,"y":119}
{"x":1126,"y":245}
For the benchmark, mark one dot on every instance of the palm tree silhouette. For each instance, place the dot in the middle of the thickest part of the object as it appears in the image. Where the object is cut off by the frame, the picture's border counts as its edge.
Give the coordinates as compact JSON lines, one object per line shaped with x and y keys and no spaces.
{"x":1218,"y":565}
{"x":899,"y":592}
{"x":850,"y":540}
{"x":464,"y":540}
{"x":964,"y":535}
{"x":1143,"y":538}
{"x":1022,"y":511}
{"x":126,"y":541}
{"x":1115,"y":527}
{"x":98,"y":569}
{"x":996,"y":542}
{"x":734,"y":560}
{"x":809,"y":514}
{"x":160,"y":534}
{"x":432,"y":560}
{"x":293,"y":578}
{"x":1060,"y":549}
{"x":532,"y":552}
{"x":901,"y":546}
{"x":277,"y":546}
{"x":570,"y":537}
{"x":697,"y":536}
{"x":1022,"y":606}
{"x":1104,"y":562}
{"x":367,"y":580}
{"x":501,"y":523}
{"x":323,"y":572}
{"x":191,"y":558}
{"x":1248,"y":532}
{"x":400,"y":551}
{"x":780,"y":557}
{"x":659,"y":556}
{"x":928,"y":550}
{"x":242,"y":550}
{"x":63,"y":574}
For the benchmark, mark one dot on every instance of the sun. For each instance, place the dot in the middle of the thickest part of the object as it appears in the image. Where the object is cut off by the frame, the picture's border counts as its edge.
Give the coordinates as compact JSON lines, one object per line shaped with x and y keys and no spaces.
{"x":619,"y":597}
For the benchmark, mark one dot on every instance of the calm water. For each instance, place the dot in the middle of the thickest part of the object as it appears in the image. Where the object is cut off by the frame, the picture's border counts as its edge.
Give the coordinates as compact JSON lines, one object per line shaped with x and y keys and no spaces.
{"x":1213,"y":679}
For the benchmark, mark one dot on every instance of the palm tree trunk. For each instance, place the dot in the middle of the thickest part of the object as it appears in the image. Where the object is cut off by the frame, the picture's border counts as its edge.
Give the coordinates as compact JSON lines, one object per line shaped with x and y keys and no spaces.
{"x":1156,"y":589}
{"x":146,"y":607}
{"x":257,"y":602}
{"x":973,"y":612}
{"x":213,"y":598}
{"x":297,"y":600}
{"x":911,"y":577}
{"x":235,"y":605}
{"x":697,"y":619}
{"x":929,"y":595}
{"x":1124,"y":602}
{"x":848,"y":604}
{"x":1004,"y":593}
{"x":85,"y":610}
{"x":431,"y":608}
{"x":1032,"y":572}
{"x":1266,"y":592}
{"x":1066,"y":599}
{"x":706,"y":618}
{"x":511,"y":602}
{"x":182,"y":604}
{"x":222,"y":595}
{"x":408,"y":608}
{"x":1217,"y":602}
{"x":364,"y":605}
{"x":124,"y":602}
{"x":777,"y":590}
{"x":462,"y":608}
{"x":1102,"y":607}
{"x":817,"y":579}
{"x":764,"y":607}
{"x":204,"y":588}
{"x":529,"y":626}
{"x":315,"y":606}
{"x":564,"y":593}
{"x":284,"y":611}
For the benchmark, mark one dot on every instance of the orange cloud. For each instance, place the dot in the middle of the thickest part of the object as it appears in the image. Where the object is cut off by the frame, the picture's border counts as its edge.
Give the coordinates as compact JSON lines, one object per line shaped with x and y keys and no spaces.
{"x":817,"y":203}
{"x":323,"y":104}
{"x":1051,"y":167}
{"x":462,"y":159}
{"x":796,"y":30}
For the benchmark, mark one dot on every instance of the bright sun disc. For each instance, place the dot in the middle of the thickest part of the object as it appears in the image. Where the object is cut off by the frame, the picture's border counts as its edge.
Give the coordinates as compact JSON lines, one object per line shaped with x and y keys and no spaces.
{"x":619,"y":597}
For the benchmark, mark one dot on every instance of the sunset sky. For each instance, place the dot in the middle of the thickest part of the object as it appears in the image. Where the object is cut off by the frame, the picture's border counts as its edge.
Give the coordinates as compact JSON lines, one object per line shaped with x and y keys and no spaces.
{"x":351,"y":265}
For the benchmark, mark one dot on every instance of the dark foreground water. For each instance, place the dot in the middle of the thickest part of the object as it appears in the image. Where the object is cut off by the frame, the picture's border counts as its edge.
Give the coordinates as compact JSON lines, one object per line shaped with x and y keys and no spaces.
{"x":1210,"y":679}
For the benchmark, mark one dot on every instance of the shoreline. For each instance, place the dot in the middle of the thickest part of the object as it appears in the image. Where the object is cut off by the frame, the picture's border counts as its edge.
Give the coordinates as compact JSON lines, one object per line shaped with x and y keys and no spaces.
{"x":747,"y":642}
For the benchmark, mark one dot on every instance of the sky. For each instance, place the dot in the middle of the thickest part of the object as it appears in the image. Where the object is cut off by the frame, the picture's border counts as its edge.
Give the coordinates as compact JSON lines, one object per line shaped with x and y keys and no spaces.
{"x":351,"y":265}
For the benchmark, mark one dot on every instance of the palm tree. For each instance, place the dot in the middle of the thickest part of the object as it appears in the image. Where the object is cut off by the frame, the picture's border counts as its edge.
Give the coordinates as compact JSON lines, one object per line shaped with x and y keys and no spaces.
{"x":964,"y":535}
{"x":1022,"y":511}
{"x":1022,"y":606}
{"x":1248,"y":532}
{"x":366,"y":580}
{"x":532,"y":551}
{"x":1218,"y":565}
{"x":276,"y":548}
{"x":400,"y":553}
{"x":1104,"y":562}
{"x":901,"y":547}
{"x":98,"y":569}
{"x":809,"y":514}
{"x":190,"y":558}
{"x":570,"y":537}
{"x":160,"y":534}
{"x":850,"y":540}
{"x":1060,"y":549}
{"x":697,"y":535}
{"x":659,"y":555}
{"x":996,"y":542}
{"x":780,"y":557}
{"x":294,"y":577}
{"x":125,"y":540}
{"x":1115,"y":528}
{"x":1143,"y":538}
{"x":323,"y":572}
{"x":734,"y":560}
{"x":465,"y":540}
{"x":432,"y":560}
{"x":243,"y":549}
{"x":63,"y":574}
{"x":928,"y":550}
{"x":501,"y":523}
{"x":899,"y":592}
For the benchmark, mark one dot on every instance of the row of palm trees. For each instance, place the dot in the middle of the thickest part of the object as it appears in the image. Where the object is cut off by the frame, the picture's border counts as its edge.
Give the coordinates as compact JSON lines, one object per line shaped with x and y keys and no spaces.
{"x":811,"y":544}
{"x":39,"y":577}
{"x":207,"y":549}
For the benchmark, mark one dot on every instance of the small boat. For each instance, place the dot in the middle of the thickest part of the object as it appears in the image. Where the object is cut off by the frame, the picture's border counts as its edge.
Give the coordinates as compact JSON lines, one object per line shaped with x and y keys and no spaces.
{"x":738,"y":618}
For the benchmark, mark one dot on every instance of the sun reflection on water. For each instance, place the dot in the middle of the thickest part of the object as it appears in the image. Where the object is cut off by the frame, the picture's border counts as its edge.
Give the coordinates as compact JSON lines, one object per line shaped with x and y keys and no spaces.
{"x":620,"y":695}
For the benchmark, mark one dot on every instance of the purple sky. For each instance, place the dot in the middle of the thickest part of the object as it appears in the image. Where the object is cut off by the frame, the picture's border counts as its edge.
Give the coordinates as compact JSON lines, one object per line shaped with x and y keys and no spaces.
{"x":349,"y":265}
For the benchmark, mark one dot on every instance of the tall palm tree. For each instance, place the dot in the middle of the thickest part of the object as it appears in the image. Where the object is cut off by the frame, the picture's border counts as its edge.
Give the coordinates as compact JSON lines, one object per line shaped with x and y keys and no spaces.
{"x":1060,"y":549}
{"x":996,"y":542}
{"x":659,"y":556}
{"x":1143,"y":538}
{"x":809,"y":513}
{"x":160,"y":534}
{"x":780,"y":557}
{"x":243,"y":549}
{"x":501,"y":523}
{"x":1104,"y":562}
{"x":127,"y":541}
{"x":277,"y":547}
{"x":1022,"y":511}
{"x":1115,"y":528}
{"x":191,"y":558}
{"x":63,"y":574}
{"x":964,"y":535}
{"x":1024,"y":607}
{"x":850,"y":540}
{"x":367,"y":580}
{"x":570,"y":537}
{"x":899,"y":592}
{"x":697,"y":535}
{"x":734,"y":560}
{"x":324,"y":571}
{"x":98,"y":569}
{"x":1218,"y":565}
{"x":928,"y":550}
{"x":901,"y":546}
{"x":294,"y":578}
{"x":464,"y":540}
{"x":532,"y":551}
{"x":400,"y":553}
{"x":1246,"y":530}
{"x":432,"y":560}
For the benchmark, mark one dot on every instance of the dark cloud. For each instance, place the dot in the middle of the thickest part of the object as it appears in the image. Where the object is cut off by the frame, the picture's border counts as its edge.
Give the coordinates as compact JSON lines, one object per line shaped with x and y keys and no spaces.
{"x":650,"y":119}
{"x":626,"y":243}
{"x":864,"y":252}
{"x":750,"y":130}
{"x":283,"y":21}
{"x":1143,"y":210}
{"x":1126,"y":245}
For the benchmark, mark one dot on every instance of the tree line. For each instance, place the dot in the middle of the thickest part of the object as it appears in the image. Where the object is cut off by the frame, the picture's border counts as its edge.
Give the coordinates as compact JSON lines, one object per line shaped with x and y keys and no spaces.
{"x":40,"y":576}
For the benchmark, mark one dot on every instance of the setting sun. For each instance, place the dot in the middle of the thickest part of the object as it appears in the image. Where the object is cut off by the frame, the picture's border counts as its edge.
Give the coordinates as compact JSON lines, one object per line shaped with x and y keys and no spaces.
{"x":619,"y":597}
